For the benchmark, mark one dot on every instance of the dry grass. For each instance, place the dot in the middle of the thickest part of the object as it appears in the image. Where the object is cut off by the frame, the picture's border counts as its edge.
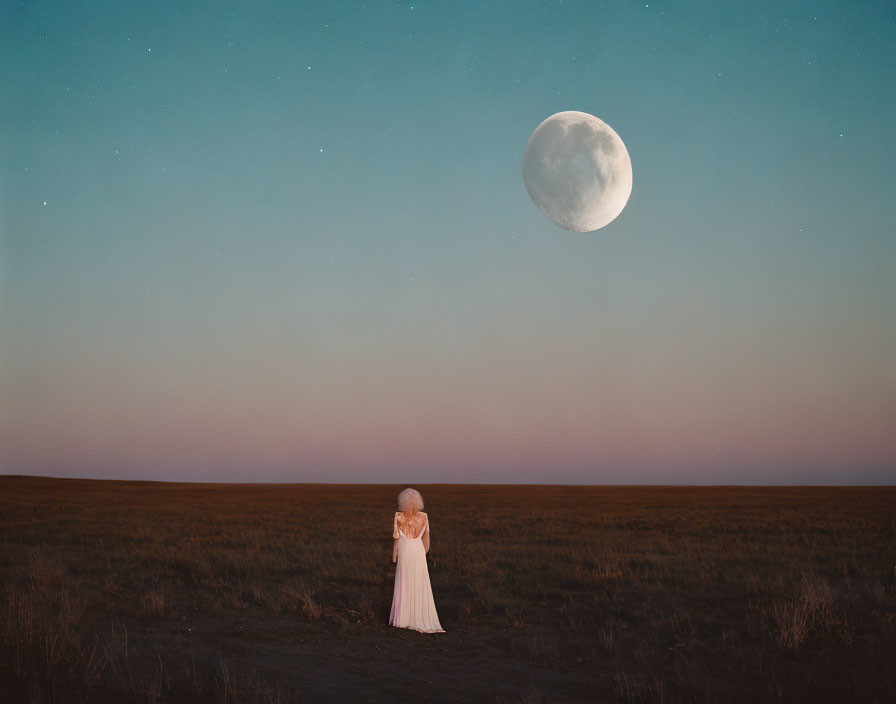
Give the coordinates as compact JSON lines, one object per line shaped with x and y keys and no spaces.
{"x":140,"y":591}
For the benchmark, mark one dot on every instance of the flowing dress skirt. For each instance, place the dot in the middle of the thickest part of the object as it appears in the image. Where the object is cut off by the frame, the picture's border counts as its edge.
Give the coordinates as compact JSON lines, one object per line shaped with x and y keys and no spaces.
{"x":412,"y":602}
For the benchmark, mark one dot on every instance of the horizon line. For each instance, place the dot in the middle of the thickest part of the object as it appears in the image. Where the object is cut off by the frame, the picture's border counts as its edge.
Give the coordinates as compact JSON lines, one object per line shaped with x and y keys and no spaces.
{"x":495,"y":484}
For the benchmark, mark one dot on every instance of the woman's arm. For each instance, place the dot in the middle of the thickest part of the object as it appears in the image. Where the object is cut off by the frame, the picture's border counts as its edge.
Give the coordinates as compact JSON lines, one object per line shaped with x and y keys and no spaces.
{"x":395,"y":537}
{"x":426,"y":537}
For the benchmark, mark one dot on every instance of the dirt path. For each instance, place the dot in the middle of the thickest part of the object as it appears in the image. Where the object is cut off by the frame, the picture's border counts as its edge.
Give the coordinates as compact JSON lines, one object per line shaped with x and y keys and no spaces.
{"x":361,"y":662}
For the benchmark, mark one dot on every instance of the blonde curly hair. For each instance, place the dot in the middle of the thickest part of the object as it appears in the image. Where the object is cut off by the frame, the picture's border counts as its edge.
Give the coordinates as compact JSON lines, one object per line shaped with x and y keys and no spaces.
{"x":410,"y":500}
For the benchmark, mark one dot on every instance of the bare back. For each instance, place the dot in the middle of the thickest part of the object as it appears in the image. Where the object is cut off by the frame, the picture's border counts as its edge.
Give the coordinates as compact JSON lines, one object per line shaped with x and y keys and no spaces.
{"x":409,"y":525}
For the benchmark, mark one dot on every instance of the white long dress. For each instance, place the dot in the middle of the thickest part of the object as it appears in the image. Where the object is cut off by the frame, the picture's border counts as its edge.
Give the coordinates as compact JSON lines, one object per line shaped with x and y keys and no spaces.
{"x":412,"y":602}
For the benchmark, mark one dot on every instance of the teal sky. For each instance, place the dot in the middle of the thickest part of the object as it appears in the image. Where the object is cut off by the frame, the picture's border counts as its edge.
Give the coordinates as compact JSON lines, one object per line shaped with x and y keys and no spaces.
{"x":290,"y":241}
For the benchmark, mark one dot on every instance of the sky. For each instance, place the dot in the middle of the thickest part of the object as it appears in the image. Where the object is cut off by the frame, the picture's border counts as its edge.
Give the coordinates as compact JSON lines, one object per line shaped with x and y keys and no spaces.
{"x":290,"y":241}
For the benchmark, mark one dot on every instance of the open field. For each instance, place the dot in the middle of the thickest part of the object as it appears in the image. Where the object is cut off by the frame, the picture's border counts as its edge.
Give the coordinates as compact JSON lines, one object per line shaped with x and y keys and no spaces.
{"x":143,"y":591}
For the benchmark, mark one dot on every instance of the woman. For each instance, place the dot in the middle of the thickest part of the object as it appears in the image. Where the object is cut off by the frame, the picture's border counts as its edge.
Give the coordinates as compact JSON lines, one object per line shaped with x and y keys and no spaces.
{"x":412,"y":604}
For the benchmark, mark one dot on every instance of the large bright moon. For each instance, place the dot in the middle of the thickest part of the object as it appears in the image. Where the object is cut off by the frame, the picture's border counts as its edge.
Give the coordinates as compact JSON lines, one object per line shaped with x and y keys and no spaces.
{"x":577,"y":171}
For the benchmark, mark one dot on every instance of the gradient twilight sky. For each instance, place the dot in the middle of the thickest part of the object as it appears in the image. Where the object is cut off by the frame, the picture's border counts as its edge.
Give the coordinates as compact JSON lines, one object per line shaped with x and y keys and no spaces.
{"x":291,"y":241}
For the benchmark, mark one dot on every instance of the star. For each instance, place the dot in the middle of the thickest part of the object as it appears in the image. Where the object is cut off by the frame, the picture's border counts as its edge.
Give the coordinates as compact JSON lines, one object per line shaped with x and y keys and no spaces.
{"x":45,"y":202}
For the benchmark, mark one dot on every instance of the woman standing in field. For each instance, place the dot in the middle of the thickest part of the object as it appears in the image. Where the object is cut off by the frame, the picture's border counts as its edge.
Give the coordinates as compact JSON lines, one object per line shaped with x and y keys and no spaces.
{"x":412,"y":602}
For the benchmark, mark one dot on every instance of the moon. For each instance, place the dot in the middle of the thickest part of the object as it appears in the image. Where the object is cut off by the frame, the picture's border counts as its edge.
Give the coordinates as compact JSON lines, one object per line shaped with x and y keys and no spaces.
{"x":577,"y":171}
